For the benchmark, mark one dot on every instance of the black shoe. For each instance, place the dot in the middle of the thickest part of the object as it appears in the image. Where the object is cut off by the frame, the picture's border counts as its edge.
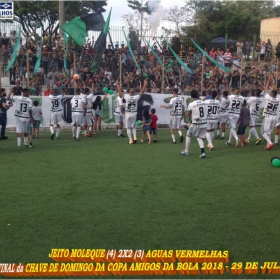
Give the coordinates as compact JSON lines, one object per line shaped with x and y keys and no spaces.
{"x":52,"y":136}
{"x":181,"y":138}
{"x":174,"y":142}
{"x":122,"y":136}
{"x":155,"y":141}
{"x":4,"y":137}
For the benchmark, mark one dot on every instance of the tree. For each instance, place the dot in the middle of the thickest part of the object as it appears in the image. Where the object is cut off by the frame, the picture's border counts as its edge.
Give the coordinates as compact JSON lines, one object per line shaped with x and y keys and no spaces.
{"x":276,"y":10}
{"x":33,"y":15}
{"x":133,"y":39}
{"x":133,"y":20}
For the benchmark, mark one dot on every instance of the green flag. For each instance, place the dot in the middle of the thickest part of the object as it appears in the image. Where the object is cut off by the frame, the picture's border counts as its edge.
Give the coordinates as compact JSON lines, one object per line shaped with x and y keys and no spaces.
{"x":15,"y":51}
{"x":99,"y":46}
{"x":38,"y":62}
{"x":210,"y":58}
{"x":65,"y":53}
{"x":131,"y":52}
{"x":178,"y":58}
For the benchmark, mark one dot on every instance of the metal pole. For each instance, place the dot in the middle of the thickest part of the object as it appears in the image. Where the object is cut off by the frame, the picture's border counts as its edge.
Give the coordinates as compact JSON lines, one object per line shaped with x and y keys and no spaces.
{"x":202,"y":70}
{"x":120,"y":70}
{"x":254,"y":46}
{"x":240,"y":81}
{"x":61,"y":16}
{"x":277,"y":73}
{"x":226,"y":39}
{"x":27,"y":66}
{"x":162,"y":82}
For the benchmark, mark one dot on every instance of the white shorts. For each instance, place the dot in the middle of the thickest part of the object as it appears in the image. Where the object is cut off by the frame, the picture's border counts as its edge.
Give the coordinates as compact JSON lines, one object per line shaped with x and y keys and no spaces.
{"x":175,"y":122}
{"x":233,"y":119}
{"x":223,"y":117}
{"x":22,"y":126}
{"x":211,"y":125}
{"x":77,"y":118}
{"x":278,"y":122}
{"x":253,"y":120}
{"x":87,"y":120}
{"x":56,"y":118}
{"x":197,"y":131}
{"x":268,"y":124}
{"x":119,"y":118}
{"x":130,"y":120}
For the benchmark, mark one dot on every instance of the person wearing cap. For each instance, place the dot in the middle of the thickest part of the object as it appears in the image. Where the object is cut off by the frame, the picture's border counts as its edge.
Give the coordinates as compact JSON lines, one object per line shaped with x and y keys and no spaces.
{"x":4,"y":106}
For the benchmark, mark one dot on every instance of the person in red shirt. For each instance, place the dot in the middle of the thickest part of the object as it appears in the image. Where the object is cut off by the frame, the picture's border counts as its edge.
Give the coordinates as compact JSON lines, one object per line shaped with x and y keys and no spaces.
{"x":48,"y":91}
{"x":153,"y":125}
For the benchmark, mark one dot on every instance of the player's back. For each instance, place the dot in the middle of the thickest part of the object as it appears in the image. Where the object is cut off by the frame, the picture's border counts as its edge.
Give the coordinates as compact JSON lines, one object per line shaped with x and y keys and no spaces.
{"x":224,"y":106}
{"x":199,"y":112}
{"x":131,"y":104}
{"x":78,"y":103}
{"x":23,"y":105}
{"x":177,"y":106}
{"x":118,"y":103}
{"x":213,"y":106}
{"x":271,"y":105}
{"x":235,"y":104}
{"x":56,"y":103}
{"x":88,"y":99}
{"x":254,"y":104}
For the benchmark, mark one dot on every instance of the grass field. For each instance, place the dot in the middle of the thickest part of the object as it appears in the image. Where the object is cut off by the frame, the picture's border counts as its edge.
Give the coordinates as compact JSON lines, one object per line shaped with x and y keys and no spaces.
{"x":101,"y":192}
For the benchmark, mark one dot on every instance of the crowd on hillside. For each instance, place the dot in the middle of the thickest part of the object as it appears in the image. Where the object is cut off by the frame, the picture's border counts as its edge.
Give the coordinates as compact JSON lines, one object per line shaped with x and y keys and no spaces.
{"x":118,"y":59}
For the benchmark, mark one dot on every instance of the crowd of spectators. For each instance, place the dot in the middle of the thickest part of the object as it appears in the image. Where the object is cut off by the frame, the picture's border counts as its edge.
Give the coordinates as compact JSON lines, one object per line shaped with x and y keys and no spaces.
{"x":117,"y":63}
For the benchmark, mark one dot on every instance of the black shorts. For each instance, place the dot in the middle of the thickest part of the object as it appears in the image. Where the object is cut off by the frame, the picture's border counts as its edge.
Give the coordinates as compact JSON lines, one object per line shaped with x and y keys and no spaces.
{"x":241,"y":130}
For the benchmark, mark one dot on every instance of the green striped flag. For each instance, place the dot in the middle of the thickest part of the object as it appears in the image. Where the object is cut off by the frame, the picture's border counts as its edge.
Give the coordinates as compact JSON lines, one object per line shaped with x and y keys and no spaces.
{"x":65,"y":53}
{"x":16,"y":48}
{"x":210,"y":58}
{"x":178,"y":58}
{"x":38,"y":62}
{"x":131,"y":52}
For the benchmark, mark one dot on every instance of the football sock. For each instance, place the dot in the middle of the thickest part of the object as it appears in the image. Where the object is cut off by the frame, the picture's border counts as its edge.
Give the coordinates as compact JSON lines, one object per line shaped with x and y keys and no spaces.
{"x":134,"y":132}
{"x":180,"y":133}
{"x":25,"y":140}
{"x":254,"y":132}
{"x":276,"y":138}
{"x":119,"y":132}
{"x":223,"y":134}
{"x":230,"y":137}
{"x":250,"y":133}
{"x":89,"y":128}
{"x":233,"y":132}
{"x":202,"y":150}
{"x":218,"y":132}
{"x":129,"y":134}
{"x":267,"y":139}
{"x":52,"y":129}
{"x":209,"y":138}
{"x":212,"y":135}
{"x":57,"y":132}
{"x":188,"y":143}
{"x":19,"y":141}
{"x":78,"y":132}
{"x":200,"y":143}
{"x":85,"y":132}
{"x":173,"y":137}
{"x":74,"y":131}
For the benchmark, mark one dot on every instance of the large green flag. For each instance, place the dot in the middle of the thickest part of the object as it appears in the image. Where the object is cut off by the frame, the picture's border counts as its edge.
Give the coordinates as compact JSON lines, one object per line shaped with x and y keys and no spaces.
{"x":131,"y":52}
{"x":99,"y":46}
{"x":178,"y":58}
{"x":38,"y":62}
{"x":16,"y":48}
{"x":78,"y":27}
{"x":65,"y":53}
{"x":210,"y":58}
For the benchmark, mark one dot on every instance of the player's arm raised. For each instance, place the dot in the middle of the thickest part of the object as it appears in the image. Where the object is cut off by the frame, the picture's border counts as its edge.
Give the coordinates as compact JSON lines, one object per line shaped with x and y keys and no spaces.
{"x":118,"y":87}
{"x":144,"y":87}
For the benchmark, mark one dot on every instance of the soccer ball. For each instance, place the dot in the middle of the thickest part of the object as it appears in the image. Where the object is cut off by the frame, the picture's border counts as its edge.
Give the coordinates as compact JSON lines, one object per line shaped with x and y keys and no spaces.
{"x":76,"y":77}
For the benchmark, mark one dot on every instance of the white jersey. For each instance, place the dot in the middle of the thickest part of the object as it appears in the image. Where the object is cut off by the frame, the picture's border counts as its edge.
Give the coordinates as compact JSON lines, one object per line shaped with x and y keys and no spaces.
{"x":235,"y":104}
{"x":199,"y":112}
{"x":213,"y":106}
{"x":254,"y":104}
{"x":22,"y":108}
{"x":77,"y":104}
{"x":131,"y":104}
{"x":224,"y":107}
{"x":176,"y":105}
{"x":89,"y":99}
{"x":271,"y":106}
{"x":118,"y":105}
{"x":56,"y":103}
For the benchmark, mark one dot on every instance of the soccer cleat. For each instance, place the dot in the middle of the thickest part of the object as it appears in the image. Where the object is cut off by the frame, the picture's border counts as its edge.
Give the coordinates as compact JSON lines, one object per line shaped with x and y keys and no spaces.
{"x":26,"y":146}
{"x":222,"y":137}
{"x":52,"y":136}
{"x":238,"y":142}
{"x":174,"y":142}
{"x":19,"y":148}
{"x":248,"y":141}
{"x":83,"y":132}
{"x":208,"y":146}
{"x":258,"y":141}
{"x":131,"y":142}
{"x":218,"y":136}
{"x":94,"y":133}
{"x":77,"y":139}
{"x":4,"y":137}
{"x":56,"y":138}
{"x":122,"y":135}
{"x":89,"y":134}
{"x":211,"y":147}
{"x":275,"y":144}
{"x":135,"y":140}
{"x":227,"y":143}
{"x":202,"y":155}
{"x":181,"y":138}
{"x":269,"y":146}
{"x":30,"y":145}
{"x":74,"y":138}
{"x":155,"y":140}
{"x":183,"y":152}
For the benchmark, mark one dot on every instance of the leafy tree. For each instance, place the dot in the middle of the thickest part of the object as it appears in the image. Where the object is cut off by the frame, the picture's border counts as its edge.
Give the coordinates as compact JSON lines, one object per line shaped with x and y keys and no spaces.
{"x":276,"y":10}
{"x":133,"y":39}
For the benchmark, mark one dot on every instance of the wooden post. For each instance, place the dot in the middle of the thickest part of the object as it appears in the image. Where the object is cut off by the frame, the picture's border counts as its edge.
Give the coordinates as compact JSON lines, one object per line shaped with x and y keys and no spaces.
{"x":202,"y":70}
{"x":74,"y":72}
{"x":27,"y":66}
{"x":240,"y":81}
{"x":162,"y":82}
{"x":277,"y":72}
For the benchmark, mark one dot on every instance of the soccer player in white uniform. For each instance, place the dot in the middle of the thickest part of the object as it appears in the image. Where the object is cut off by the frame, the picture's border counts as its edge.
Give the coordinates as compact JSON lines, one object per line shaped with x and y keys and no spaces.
{"x":254,"y":103}
{"x":118,"y":111}
{"x":131,"y":105}
{"x":198,"y":111}
{"x":235,"y":105}
{"x":87,"y":119}
{"x":176,"y":106}
{"x":270,"y":113}
{"x":23,"y":114}
{"x":213,"y":106}
{"x":79,"y":109}
{"x":223,"y":114}
{"x":56,"y":112}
